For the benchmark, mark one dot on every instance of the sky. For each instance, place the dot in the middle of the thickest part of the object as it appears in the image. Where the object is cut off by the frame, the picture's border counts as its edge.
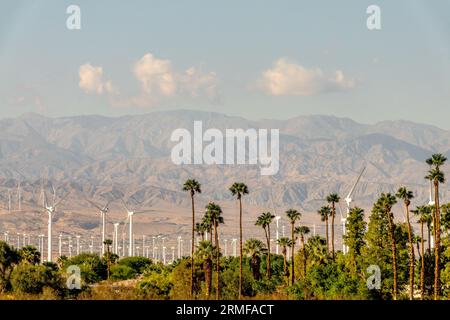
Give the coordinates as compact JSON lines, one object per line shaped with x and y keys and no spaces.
{"x":256,"y":59}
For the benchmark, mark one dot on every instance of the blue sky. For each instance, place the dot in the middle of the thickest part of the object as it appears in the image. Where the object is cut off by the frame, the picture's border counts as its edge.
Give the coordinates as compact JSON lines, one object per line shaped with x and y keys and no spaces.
{"x":257,"y":59}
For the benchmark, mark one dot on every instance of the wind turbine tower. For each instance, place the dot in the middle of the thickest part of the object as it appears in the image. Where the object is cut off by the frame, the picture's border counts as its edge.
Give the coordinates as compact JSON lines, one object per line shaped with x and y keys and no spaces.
{"x":348,"y":200}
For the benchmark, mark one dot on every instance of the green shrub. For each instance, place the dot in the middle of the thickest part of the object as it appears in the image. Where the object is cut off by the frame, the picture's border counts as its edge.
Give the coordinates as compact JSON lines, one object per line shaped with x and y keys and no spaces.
{"x":138,"y":264}
{"x":122,"y":272}
{"x":32,"y":279}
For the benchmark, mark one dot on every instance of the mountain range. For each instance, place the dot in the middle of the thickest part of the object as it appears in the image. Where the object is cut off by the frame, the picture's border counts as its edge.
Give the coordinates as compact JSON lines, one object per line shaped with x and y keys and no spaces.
{"x":128,"y":157}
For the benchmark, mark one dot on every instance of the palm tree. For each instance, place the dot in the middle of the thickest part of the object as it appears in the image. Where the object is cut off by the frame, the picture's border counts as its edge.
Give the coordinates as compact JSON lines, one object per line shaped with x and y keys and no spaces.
{"x":436,"y":176}
{"x":293,"y":216}
{"x":205,"y":252}
{"x":324,"y":213}
{"x":30,"y":255}
{"x":264,"y":221}
{"x":386,"y":202}
{"x":302,"y":231}
{"x":406,"y":195}
{"x":333,"y":199}
{"x":255,"y":248}
{"x":423,"y":212}
{"x":208,"y":225}
{"x":317,"y":250}
{"x":214,"y":211}
{"x":200,"y":230}
{"x":239,"y":189}
{"x":284,"y":242}
{"x":193,"y":187}
{"x":108,"y":243}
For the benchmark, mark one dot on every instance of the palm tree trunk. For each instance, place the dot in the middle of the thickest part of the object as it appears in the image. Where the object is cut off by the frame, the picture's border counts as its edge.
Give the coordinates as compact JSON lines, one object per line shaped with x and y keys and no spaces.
{"x":285,"y":263}
{"x":429,"y":237}
{"x":394,"y":253}
{"x":108,"y":263}
{"x":216,"y":231}
{"x":411,"y":256}
{"x":240,"y":248}
{"x":333,"y":208}
{"x":304,"y":255}
{"x":437,"y":243}
{"x":208,"y":277}
{"x":268,"y":252}
{"x":422,"y":260}
{"x":192,"y":247}
{"x":326,"y":230}
{"x":292,"y":253}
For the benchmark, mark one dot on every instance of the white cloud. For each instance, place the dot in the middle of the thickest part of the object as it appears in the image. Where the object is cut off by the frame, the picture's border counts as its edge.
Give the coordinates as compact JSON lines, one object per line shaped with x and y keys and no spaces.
{"x":195,"y":83}
{"x":288,"y":78}
{"x":91,"y":80}
{"x":155,"y":75}
{"x":158,"y":82}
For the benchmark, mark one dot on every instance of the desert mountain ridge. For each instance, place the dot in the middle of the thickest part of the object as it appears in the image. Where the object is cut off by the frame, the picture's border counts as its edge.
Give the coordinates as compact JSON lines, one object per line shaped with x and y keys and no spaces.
{"x":128,"y":157}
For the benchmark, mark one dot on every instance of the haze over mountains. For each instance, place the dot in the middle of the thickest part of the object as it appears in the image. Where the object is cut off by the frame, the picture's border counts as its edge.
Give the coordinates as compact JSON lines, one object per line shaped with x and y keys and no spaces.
{"x":129,"y":157}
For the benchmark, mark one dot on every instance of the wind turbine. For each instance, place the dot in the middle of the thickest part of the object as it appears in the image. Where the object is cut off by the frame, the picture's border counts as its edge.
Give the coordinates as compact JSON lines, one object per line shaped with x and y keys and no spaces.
{"x":348,"y":200}
{"x":19,"y":196}
{"x":234,"y":242}
{"x":116,"y":237}
{"x":103,"y":211}
{"x":131,"y":213}
{"x":50,"y":210}
{"x":60,"y":245}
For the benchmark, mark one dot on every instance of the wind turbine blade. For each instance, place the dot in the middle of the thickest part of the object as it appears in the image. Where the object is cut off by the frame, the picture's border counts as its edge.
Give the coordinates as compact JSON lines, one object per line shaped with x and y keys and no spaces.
{"x":124,"y":204}
{"x":145,"y":211}
{"x":62,"y":199}
{"x":93,"y":203}
{"x":356,"y":182}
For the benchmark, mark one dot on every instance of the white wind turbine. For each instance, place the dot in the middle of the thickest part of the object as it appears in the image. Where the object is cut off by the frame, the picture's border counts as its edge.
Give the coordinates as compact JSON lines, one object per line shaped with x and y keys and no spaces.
{"x":130,"y":214}
{"x":348,"y":200}
{"x":116,"y":238}
{"x":103,"y":211}
{"x":51,"y":210}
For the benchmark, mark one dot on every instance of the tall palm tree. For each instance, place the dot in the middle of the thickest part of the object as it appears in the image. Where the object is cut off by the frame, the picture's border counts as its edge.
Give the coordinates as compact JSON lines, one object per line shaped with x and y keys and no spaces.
{"x":205,"y":252}
{"x":293,"y":216}
{"x":108,"y":243}
{"x":208,"y":226}
{"x":200,"y":230}
{"x":255,"y":248}
{"x":386,"y":202}
{"x":239,"y":189}
{"x":284,"y":243}
{"x":333,"y":198}
{"x":264,"y":221}
{"x":302,"y":231}
{"x":406,"y":195}
{"x":193,"y":187}
{"x":423,"y":212}
{"x":324,"y":213}
{"x":436,"y":176}
{"x":317,"y":250}
{"x":215,"y":212}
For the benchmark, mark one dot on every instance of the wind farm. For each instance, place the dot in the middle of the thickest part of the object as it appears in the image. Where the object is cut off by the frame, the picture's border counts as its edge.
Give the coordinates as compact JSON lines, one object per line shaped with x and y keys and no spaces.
{"x":133,"y":223}
{"x":223,"y":151}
